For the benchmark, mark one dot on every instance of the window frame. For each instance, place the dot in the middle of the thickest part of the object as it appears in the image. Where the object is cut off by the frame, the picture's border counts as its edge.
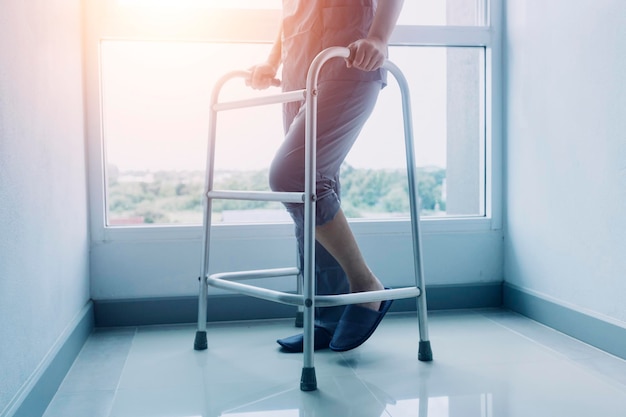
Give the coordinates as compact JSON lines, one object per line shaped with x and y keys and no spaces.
{"x":103,"y":21}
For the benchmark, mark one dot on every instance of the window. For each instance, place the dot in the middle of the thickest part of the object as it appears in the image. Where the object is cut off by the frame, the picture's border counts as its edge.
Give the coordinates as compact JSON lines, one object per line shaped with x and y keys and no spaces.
{"x":156,"y":74}
{"x":444,"y":13}
{"x":155,"y":116}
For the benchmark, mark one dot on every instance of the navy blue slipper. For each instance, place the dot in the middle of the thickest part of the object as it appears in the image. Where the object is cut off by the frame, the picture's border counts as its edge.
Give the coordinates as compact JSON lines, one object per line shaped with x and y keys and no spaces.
{"x":356,"y":326}
{"x":295,"y":343}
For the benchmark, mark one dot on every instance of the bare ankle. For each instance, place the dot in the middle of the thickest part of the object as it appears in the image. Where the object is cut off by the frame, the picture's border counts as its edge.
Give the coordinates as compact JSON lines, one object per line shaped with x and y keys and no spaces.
{"x":366,"y":284}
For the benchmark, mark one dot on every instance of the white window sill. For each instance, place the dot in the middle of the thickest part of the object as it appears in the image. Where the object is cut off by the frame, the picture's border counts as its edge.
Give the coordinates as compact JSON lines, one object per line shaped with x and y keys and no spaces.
{"x":243,"y":231}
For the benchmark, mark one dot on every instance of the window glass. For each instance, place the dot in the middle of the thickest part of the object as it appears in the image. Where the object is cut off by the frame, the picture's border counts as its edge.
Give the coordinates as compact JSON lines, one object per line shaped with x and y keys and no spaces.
{"x":155,"y":98}
{"x":414,"y":12}
{"x":444,"y":13}
{"x":214,"y":4}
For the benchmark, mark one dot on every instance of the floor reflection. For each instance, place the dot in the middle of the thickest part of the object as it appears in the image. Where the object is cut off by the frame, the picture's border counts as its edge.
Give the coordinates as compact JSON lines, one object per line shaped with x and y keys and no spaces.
{"x":486,"y":363}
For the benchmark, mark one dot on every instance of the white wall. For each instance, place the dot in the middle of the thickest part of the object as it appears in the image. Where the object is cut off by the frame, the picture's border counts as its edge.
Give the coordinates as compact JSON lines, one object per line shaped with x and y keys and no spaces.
{"x":566,"y":152}
{"x":43,"y":211}
{"x":158,"y":266}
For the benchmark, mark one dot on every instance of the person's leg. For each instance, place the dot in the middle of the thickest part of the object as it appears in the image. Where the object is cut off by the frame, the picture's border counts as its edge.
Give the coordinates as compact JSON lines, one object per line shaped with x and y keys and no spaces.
{"x":329,"y":277}
{"x":343,"y":108}
{"x":338,"y":239}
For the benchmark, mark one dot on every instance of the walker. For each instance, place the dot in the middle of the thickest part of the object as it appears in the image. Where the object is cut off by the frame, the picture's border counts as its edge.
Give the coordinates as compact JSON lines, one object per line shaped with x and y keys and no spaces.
{"x":306,"y":299}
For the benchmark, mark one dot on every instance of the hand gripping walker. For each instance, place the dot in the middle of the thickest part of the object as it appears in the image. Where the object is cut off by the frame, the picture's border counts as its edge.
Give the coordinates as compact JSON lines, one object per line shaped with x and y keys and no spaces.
{"x":307,"y":300}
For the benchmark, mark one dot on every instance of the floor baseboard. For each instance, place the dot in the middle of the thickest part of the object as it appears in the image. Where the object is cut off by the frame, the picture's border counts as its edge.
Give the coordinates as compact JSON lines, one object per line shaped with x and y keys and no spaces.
{"x":580,"y":325}
{"x":152,"y":311}
{"x":35,"y":395}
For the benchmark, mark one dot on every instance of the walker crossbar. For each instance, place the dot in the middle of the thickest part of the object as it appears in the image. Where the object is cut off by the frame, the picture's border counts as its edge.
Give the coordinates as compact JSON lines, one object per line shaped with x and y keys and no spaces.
{"x":284,"y":197}
{"x":260,"y":101}
{"x":308,"y":300}
{"x":229,"y":281}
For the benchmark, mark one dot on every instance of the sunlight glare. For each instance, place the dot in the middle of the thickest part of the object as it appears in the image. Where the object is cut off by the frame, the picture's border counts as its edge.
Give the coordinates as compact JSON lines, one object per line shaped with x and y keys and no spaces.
{"x":207,"y":4}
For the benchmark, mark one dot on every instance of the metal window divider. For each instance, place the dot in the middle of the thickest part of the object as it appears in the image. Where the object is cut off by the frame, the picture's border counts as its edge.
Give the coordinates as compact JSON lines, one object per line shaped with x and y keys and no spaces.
{"x":307,"y":301}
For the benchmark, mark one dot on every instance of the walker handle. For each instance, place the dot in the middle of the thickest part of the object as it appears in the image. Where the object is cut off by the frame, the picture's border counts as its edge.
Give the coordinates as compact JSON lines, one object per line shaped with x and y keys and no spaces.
{"x":247,"y":75}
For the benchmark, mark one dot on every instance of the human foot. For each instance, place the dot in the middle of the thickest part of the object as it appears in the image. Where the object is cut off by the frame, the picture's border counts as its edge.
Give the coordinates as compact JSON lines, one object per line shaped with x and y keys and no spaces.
{"x":369,"y":283}
{"x":356,"y":326}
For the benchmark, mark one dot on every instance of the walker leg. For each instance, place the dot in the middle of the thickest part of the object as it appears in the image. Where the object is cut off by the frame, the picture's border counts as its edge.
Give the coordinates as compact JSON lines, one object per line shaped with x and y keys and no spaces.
{"x":200,"y":343}
{"x":308,"y":381}
{"x":424,"y":352}
{"x":299,"y":319}
{"x":300,"y":313}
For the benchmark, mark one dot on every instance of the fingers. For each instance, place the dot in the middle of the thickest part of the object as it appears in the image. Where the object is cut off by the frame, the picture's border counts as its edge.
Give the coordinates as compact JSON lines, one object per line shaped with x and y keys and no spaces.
{"x":260,"y":80}
{"x":262,"y":77}
{"x":366,"y":55}
{"x":350,"y":57}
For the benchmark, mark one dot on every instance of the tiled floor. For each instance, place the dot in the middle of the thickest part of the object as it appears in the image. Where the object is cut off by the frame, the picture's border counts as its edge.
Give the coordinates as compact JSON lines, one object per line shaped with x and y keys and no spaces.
{"x":486,"y":363}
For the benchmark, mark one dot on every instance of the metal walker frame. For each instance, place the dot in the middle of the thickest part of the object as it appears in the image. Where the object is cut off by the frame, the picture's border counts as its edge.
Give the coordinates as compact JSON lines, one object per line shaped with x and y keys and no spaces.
{"x":307,"y":300}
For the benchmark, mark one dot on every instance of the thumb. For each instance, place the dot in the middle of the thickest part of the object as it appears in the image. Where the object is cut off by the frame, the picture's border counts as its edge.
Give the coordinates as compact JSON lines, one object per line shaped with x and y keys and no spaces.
{"x":350,"y":59}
